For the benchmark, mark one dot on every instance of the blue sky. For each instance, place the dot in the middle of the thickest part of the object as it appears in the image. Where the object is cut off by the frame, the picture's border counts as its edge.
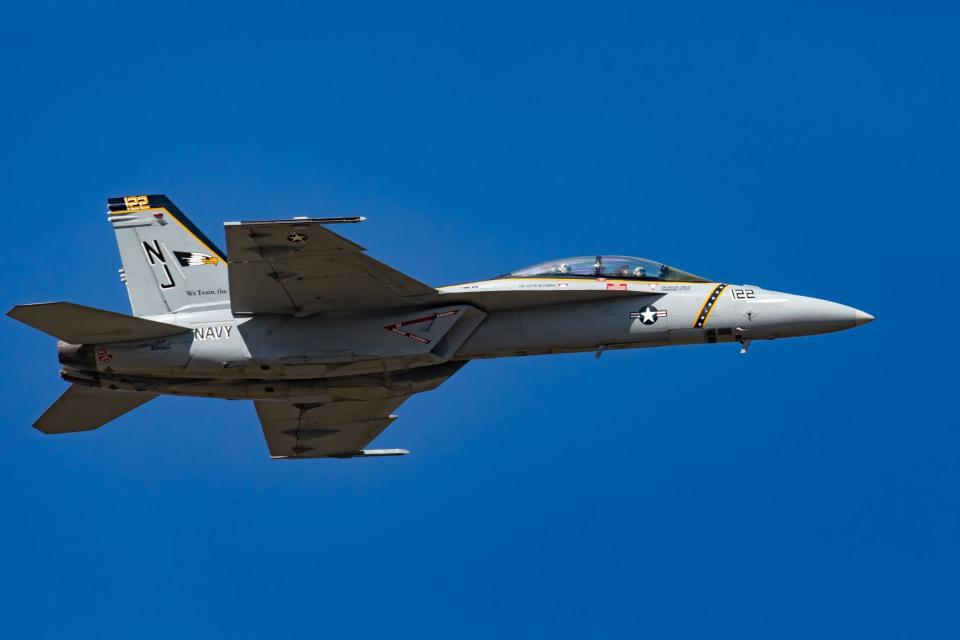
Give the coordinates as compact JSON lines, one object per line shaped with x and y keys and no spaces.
{"x":804,"y":147}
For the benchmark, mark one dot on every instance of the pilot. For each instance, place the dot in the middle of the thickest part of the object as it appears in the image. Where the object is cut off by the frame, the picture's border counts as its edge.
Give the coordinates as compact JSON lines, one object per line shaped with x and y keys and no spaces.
{"x":622,"y":272}
{"x":639,"y":272}
{"x":563,"y":268}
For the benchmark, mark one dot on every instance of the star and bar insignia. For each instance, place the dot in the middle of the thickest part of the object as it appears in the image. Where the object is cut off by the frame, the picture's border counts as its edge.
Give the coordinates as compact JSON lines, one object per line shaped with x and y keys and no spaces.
{"x":648,"y":315}
{"x":297,"y":237}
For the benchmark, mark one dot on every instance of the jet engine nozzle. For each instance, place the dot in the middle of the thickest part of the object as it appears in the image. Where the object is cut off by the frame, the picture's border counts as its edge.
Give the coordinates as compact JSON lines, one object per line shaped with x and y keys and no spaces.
{"x":76,"y":356}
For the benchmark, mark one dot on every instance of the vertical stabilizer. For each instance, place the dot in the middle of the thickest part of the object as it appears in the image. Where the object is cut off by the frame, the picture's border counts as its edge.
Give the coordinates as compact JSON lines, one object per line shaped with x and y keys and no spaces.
{"x":169,"y":265}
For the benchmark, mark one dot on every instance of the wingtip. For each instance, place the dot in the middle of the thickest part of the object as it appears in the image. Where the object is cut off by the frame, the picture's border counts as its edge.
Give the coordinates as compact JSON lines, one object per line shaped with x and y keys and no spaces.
{"x":16,"y":311}
{"x":372,"y":453}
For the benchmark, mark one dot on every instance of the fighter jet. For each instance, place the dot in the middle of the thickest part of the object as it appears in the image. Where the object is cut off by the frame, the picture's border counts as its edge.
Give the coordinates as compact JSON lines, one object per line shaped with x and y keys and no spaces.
{"x":327,"y":342}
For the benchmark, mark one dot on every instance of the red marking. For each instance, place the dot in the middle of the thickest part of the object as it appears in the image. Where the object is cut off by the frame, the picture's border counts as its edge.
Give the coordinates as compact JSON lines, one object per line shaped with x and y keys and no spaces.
{"x":407,"y":334}
{"x":103,"y":355}
{"x":158,"y":215}
{"x":399,"y":327}
{"x":616,"y":286}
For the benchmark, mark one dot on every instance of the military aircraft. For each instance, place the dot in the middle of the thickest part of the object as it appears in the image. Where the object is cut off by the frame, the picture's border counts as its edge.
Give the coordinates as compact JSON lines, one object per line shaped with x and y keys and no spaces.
{"x":327,"y":342}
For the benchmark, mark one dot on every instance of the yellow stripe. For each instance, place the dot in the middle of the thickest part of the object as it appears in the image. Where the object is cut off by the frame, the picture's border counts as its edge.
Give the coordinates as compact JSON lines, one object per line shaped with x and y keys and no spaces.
{"x":715,"y":302}
{"x":589,"y":279}
{"x":716,"y":291}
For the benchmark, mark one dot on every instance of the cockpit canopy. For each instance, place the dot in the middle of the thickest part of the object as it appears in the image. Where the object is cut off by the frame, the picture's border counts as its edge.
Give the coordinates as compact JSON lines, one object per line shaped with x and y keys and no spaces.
{"x":620,"y":267}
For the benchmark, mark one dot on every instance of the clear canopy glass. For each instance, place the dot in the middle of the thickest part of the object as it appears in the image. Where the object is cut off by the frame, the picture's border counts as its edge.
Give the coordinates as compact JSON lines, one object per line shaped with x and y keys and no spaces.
{"x":621,"y":267}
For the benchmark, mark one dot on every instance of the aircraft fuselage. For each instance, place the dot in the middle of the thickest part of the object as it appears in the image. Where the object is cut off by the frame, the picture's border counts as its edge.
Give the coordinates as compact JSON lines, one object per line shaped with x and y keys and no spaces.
{"x":286,"y":357}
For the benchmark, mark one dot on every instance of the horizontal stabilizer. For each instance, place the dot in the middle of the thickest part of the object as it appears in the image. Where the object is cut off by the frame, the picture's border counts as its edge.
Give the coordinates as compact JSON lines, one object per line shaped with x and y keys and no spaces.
{"x":77,"y":324}
{"x":82,"y":408}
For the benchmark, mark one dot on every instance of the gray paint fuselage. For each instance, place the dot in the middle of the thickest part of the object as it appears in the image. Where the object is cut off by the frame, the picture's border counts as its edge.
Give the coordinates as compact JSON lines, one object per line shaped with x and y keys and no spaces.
{"x":228,"y":356}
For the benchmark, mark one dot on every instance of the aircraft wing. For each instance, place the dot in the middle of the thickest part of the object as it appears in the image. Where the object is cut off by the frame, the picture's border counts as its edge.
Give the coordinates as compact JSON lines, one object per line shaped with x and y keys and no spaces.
{"x":301,"y":267}
{"x":339,"y":425}
{"x":336,"y":429}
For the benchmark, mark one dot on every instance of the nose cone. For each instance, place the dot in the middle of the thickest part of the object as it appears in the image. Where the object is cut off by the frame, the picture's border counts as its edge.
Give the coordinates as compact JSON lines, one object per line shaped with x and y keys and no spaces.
{"x":822,"y":316}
